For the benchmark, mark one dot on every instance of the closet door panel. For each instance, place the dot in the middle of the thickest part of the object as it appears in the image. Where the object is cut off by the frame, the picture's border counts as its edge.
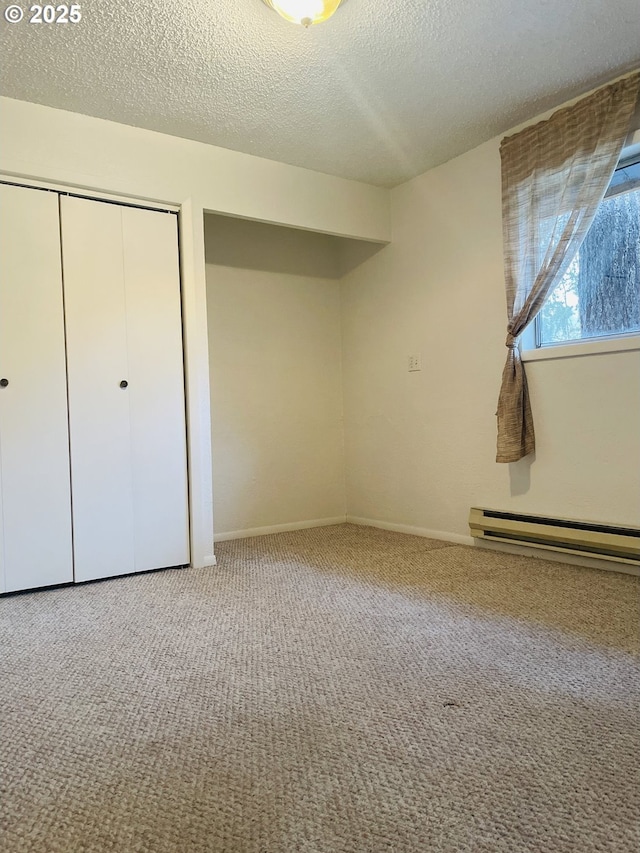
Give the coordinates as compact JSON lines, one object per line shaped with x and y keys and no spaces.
{"x":99,"y":412}
{"x":128,"y":444}
{"x":158,"y":438}
{"x":35,"y":503}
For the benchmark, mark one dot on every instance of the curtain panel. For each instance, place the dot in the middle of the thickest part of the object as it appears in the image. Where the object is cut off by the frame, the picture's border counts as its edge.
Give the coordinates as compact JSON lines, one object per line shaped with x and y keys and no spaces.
{"x":554,"y":176}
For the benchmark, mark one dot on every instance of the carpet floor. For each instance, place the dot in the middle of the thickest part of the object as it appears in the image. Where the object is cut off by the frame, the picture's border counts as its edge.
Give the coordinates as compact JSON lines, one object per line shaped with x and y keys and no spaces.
{"x":337,"y":690}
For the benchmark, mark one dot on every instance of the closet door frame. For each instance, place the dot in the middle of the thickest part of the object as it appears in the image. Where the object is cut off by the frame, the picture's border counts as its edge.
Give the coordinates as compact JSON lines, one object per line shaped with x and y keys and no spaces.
{"x":200,"y":531}
{"x":190,"y":212}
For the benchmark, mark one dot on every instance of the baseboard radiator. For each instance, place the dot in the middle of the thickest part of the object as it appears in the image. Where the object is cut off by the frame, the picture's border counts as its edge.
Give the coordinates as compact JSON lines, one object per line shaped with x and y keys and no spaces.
{"x":589,"y":539}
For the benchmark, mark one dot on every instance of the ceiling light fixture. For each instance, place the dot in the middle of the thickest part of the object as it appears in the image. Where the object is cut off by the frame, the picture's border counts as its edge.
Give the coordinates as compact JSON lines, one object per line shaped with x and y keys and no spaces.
{"x":305,"y":12}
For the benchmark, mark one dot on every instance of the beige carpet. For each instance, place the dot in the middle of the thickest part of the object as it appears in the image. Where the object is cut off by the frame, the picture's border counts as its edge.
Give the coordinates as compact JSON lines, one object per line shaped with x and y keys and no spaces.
{"x":340,"y":689}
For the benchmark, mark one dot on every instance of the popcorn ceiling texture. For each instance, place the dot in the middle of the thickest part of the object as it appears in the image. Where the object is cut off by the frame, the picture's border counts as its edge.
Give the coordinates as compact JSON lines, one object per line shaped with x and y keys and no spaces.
{"x":338,"y":690}
{"x":380,"y":93}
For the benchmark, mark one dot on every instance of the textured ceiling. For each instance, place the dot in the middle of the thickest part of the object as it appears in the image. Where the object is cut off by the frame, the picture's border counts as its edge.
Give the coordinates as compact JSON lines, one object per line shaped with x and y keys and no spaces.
{"x":380,"y":93}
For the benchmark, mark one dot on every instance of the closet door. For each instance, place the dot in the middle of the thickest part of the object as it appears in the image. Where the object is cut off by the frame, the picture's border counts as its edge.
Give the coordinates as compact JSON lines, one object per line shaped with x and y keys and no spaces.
{"x":35,"y":503}
{"x":126,"y":388}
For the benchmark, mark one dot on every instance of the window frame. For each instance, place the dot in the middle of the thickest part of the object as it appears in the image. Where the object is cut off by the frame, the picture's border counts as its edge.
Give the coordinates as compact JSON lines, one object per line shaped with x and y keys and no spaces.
{"x":531,"y":347}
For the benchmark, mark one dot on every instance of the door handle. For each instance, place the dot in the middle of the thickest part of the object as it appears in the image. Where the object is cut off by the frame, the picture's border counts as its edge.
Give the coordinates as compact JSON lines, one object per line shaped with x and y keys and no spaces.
{"x":124,"y":383}
{"x":4,"y":383}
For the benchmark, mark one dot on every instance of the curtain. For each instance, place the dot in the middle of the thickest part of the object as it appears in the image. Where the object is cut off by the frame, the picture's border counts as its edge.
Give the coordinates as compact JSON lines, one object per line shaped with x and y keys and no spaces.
{"x":554,"y":176}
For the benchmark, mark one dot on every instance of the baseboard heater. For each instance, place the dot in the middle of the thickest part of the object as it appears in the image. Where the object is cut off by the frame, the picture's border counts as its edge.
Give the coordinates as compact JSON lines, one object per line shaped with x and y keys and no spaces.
{"x":589,"y":539}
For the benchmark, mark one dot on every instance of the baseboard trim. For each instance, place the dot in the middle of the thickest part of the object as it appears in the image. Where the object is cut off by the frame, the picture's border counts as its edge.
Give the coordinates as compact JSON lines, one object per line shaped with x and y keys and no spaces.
{"x":278,"y":528}
{"x":413,"y":531}
{"x":427,"y":533}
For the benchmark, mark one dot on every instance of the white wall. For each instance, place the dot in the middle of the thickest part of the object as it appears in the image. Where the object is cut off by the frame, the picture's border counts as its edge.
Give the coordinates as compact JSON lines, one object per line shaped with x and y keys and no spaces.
{"x":273,"y":299}
{"x":70,"y":150}
{"x":420,"y":447}
{"x":87,"y":152}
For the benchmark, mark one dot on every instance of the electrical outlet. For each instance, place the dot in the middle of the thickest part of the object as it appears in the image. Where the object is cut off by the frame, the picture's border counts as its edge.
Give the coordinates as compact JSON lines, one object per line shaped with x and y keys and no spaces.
{"x":415,"y":363}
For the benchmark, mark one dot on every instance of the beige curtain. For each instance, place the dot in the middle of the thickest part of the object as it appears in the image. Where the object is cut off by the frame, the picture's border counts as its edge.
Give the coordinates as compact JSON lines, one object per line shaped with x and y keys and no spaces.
{"x":554,"y":176}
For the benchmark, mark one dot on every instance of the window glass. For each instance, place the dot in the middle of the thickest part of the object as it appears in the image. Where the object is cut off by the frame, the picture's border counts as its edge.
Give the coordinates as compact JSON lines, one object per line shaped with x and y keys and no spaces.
{"x":599,"y":294}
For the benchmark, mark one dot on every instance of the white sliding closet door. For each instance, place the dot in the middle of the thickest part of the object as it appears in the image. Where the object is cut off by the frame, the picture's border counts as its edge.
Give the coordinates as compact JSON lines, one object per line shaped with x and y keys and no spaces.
{"x":128,"y":442}
{"x":35,"y":503}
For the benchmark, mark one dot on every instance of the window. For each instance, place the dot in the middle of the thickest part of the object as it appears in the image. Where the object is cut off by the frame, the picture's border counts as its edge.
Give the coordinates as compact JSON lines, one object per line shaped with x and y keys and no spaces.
{"x":599,"y":294}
